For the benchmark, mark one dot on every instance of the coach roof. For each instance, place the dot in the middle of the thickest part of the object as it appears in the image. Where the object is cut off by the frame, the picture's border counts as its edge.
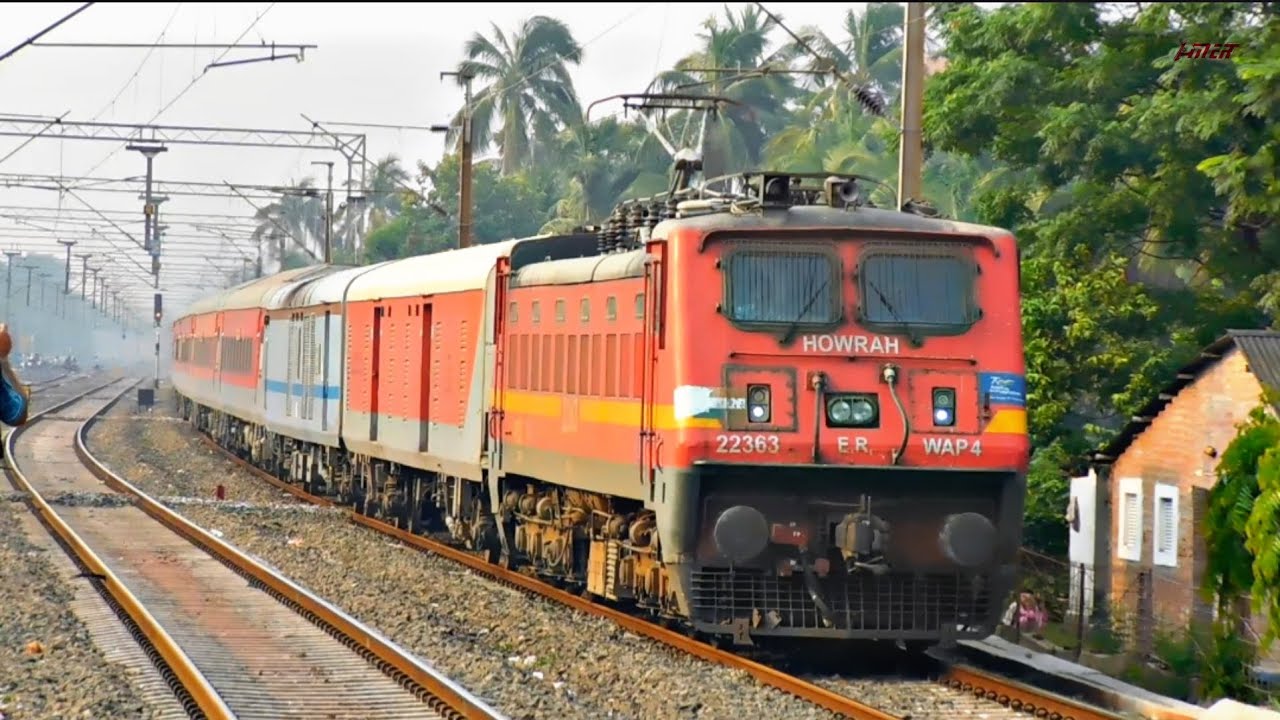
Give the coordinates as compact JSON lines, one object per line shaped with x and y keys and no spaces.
{"x":248,"y":294}
{"x":319,"y":288}
{"x":448,"y":271}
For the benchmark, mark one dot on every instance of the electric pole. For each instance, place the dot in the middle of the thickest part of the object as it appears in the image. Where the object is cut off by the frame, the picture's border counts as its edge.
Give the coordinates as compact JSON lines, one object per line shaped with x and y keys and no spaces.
{"x":464,"y":153}
{"x":30,"y":269}
{"x":148,"y":209}
{"x":93,"y":302}
{"x":84,"y":272}
{"x":911,"y":154}
{"x":8,"y":291}
{"x":66,"y":290}
{"x":328,"y":213}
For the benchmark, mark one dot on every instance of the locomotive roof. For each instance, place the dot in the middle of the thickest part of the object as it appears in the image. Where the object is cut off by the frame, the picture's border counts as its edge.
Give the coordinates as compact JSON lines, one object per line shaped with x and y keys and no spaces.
{"x":448,"y":271}
{"x":798,"y":216}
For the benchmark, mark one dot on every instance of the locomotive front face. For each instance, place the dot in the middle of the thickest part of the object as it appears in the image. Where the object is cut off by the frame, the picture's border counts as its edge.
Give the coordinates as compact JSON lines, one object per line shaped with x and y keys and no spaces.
{"x":852,"y":415}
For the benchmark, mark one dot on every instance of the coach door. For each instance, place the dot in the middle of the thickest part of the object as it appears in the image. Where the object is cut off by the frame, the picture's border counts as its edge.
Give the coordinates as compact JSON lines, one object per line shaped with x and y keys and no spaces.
{"x":261,"y":388}
{"x":493,"y":421}
{"x":426,"y":378}
{"x":652,"y":303}
{"x":375,"y":369}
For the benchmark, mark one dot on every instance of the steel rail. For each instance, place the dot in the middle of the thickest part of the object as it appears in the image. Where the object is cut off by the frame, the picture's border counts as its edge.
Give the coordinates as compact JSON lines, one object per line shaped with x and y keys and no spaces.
{"x":441,"y":693}
{"x":207,"y":702}
{"x":802,"y":689}
{"x":963,"y":678}
{"x":1022,"y":697}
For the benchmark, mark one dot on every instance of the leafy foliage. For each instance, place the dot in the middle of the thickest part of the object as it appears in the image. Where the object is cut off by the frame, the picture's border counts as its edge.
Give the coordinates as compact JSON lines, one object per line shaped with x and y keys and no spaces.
{"x":1048,"y":490}
{"x":1132,"y":255}
{"x":1262,"y":529}
{"x":1229,"y":569}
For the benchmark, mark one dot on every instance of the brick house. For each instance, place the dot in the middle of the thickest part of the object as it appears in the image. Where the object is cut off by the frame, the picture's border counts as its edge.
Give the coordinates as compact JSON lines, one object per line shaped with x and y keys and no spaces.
{"x":1155,"y":478}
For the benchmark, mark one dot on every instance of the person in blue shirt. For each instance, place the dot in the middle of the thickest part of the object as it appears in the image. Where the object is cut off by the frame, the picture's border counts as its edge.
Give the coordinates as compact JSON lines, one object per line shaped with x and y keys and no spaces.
{"x":15,"y":397}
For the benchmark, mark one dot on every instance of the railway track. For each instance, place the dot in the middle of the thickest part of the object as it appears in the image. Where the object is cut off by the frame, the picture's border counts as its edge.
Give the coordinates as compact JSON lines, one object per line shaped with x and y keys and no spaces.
{"x":225,"y":648}
{"x":964,"y":690}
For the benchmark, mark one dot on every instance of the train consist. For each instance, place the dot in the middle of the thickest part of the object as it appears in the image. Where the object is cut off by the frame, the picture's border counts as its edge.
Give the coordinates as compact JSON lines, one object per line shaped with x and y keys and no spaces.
{"x":765,"y":412}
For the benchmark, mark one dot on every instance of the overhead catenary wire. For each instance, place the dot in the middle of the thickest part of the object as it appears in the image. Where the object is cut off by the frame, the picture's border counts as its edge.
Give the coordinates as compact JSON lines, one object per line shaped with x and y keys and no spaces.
{"x":184,"y":90}
{"x":31,"y":40}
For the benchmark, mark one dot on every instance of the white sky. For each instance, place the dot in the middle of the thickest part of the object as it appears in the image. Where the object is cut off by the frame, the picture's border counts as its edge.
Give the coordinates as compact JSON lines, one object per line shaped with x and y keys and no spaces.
{"x":376,"y":63}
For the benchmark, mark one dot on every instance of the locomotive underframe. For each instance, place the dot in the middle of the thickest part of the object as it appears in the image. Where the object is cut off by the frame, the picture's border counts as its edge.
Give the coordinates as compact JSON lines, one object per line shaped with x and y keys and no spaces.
{"x":854,"y":553}
{"x":846,"y":553}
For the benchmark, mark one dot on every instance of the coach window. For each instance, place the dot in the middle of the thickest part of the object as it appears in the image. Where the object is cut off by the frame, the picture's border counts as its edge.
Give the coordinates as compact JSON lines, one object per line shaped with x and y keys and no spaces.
{"x":639,"y":306}
{"x":512,"y":315}
{"x":768,"y":287}
{"x":611,"y":308}
{"x":586,"y":309}
{"x":560,"y":311}
{"x":537,"y":312}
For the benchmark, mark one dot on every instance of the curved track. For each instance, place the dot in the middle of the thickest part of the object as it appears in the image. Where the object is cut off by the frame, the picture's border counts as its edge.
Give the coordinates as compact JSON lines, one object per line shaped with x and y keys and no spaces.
{"x":226,"y":649}
{"x":974,"y":693}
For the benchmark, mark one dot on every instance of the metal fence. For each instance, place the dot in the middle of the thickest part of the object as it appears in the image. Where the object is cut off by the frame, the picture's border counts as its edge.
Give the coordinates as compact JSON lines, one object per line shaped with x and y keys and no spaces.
{"x":1137,"y":623}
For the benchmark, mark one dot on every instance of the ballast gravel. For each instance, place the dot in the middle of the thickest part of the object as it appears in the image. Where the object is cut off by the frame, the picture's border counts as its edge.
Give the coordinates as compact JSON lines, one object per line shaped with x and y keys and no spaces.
{"x":527,"y":657}
{"x":49,"y":665}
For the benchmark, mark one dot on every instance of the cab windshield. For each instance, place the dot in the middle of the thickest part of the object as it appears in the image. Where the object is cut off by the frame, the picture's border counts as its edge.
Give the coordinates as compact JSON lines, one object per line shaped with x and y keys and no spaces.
{"x":772,"y":287}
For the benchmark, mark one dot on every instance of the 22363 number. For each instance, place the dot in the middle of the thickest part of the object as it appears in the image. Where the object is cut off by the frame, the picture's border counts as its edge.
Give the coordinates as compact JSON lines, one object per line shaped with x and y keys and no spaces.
{"x":747,"y":444}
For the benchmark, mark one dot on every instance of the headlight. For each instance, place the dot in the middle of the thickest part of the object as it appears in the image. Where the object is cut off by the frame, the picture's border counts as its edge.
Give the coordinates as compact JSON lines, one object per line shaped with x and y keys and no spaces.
{"x":840,"y":411}
{"x":851,"y":411}
{"x":758,"y":406}
{"x":944,"y":407}
{"x":862,"y":412}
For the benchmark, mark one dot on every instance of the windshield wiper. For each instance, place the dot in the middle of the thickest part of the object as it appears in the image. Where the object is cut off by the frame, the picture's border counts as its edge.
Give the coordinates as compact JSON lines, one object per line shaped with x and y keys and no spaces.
{"x":911,"y":335}
{"x":795,"y":324}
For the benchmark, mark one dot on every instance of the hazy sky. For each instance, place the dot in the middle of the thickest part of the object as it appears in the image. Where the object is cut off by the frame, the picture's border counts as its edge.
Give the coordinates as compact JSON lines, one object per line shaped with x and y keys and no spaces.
{"x":376,"y":63}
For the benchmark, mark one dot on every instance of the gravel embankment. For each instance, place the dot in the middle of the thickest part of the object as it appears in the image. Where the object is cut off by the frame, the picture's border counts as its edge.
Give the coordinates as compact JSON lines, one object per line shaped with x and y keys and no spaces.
{"x":529,"y":658}
{"x":49,"y":665}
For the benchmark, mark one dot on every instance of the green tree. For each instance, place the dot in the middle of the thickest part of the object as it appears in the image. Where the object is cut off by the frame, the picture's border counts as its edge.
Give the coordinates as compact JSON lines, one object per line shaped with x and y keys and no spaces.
{"x":504,"y":207}
{"x":1132,"y":261}
{"x":731,"y":64}
{"x":529,"y":95}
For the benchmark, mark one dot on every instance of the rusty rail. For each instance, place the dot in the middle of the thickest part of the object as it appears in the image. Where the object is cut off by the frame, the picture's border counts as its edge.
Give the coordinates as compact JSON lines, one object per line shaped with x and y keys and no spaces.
{"x":444,"y":695}
{"x":1018,"y":696}
{"x":820,"y":696}
{"x":202,"y":700}
{"x":963,"y":678}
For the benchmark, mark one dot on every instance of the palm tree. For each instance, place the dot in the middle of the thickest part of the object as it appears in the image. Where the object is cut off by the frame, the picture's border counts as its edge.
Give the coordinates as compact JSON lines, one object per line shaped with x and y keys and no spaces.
{"x":734,"y":63}
{"x":870,"y":55}
{"x":384,"y":193}
{"x":296,"y":219}
{"x":529,"y":95}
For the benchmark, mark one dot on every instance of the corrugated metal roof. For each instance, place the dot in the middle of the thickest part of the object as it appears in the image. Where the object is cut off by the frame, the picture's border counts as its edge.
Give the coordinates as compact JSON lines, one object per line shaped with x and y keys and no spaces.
{"x":1261,"y":350}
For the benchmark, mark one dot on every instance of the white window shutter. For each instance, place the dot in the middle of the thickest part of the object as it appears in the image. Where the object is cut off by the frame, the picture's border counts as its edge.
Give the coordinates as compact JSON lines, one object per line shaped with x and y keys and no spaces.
{"x":1165,"y":538}
{"x":1129,"y":532}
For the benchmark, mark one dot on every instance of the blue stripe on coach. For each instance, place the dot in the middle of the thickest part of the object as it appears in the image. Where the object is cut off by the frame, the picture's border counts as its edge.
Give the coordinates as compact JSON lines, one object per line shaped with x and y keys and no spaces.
{"x":326,"y":392}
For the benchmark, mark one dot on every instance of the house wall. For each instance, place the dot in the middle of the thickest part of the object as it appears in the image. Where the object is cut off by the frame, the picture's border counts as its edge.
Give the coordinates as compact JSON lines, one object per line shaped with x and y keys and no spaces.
{"x":1169,"y":460}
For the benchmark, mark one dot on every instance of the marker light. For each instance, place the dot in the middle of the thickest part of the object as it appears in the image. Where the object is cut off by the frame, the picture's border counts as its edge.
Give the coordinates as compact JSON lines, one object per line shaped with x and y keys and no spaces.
{"x":758,"y":409}
{"x":944,"y":406}
{"x":851,"y":411}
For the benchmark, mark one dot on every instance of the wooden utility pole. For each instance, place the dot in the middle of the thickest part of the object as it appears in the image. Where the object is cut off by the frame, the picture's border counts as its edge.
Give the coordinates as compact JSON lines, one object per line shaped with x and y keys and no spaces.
{"x":910,"y":150}
{"x":464,"y":158}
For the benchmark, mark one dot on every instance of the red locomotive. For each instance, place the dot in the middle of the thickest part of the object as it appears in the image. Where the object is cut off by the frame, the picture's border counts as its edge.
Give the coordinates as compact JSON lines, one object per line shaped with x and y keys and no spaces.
{"x":771,"y":410}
